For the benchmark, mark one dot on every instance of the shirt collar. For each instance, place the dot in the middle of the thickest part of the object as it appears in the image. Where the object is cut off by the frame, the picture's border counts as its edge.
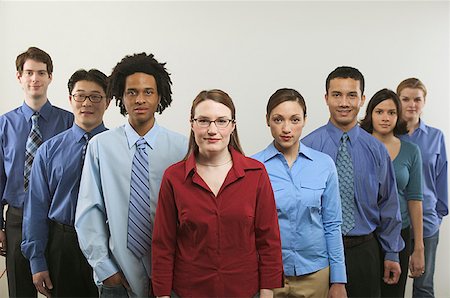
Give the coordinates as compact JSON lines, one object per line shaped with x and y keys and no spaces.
{"x":422,"y":126}
{"x":44,"y":112}
{"x":150,"y":136}
{"x":336,"y":133}
{"x":78,"y":132}
{"x":240,"y":164}
{"x":271,"y":151}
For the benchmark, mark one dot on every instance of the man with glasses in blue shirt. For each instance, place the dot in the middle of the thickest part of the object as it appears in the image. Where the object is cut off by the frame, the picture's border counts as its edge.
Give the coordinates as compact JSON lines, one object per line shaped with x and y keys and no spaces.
{"x":50,"y":242}
{"x":122,"y":176}
{"x":22,"y":131}
{"x":370,"y":207}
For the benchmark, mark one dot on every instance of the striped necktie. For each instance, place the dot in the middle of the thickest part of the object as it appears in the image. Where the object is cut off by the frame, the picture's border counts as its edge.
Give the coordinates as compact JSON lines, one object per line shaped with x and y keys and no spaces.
{"x":86,"y":137}
{"x":139,"y":224}
{"x":344,"y":166}
{"x":33,"y":142}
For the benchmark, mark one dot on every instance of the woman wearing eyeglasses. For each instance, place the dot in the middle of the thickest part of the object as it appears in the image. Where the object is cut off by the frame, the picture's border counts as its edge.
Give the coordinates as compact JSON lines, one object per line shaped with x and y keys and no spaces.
{"x":216,"y":231}
{"x":383,"y":121}
{"x":306,"y":189}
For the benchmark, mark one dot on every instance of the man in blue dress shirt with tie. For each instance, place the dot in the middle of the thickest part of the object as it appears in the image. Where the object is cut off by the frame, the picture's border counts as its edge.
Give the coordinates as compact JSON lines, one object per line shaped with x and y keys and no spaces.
{"x":370,"y":208}
{"x":49,"y":241}
{"x":122,"y":176}
{"x":22,"y":131}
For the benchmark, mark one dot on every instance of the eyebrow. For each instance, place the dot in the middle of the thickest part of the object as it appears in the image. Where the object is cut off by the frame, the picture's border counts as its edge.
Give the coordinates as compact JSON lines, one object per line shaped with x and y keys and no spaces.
{"x":82,"y":90}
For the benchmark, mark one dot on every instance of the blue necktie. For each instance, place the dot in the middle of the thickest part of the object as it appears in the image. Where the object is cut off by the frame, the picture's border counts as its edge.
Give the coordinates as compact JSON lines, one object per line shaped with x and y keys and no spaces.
{"x":33,"y":142}
{"x":139,"y":224}
{"x":344,"y":167}
{"x":86,"y":137}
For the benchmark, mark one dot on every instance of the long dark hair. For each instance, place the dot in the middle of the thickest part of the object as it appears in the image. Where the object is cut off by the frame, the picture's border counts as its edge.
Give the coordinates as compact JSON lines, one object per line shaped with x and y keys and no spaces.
{"x":377,"y":98}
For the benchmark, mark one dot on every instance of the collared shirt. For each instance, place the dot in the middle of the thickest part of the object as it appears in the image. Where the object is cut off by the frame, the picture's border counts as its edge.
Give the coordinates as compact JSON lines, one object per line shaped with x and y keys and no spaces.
{"x":101,"y":218}
{"x":15,"y":127}
{"x":435,"y":177}
{"x":408,"y":174}
{"x":216,"y":246}
{"x":309,"y":211}
{"x":377,"y":206}
{"x":53,"y":194}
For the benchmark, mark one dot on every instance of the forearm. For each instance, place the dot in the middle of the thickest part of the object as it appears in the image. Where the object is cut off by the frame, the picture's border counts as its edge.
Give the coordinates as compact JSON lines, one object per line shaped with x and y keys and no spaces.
{"x":416,"y":217}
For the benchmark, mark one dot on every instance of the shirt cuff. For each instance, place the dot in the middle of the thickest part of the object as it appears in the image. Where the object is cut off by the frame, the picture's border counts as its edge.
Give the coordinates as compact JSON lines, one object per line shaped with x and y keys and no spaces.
{"x":105,"y":269}
{"x":338,"y":274}
{"x":38,"y":265}
{"x":392,"y":256}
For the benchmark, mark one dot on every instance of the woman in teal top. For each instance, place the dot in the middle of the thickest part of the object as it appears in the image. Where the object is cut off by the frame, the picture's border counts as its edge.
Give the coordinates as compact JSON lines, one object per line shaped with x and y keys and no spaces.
{"x":382,"y":120}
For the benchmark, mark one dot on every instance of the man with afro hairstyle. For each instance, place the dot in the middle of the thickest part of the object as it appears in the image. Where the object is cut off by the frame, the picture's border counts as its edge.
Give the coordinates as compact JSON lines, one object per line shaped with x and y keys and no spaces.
{"x":115,"y":242}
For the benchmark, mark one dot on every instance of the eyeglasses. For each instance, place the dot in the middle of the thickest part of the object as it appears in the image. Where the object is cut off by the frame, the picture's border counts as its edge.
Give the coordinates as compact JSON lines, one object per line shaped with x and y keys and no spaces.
{"x":220,"y":123}
{"x":93,"y":98}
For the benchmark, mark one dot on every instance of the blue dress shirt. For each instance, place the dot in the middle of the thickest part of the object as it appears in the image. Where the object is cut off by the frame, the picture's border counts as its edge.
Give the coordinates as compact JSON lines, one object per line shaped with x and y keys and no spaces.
{"x":101,"y":218}
{"x":309,"y":211}
{"x":435,"y":177}
{"x":15,"y":127}
{"x":377,"y":206}
{"x":53,"y":194}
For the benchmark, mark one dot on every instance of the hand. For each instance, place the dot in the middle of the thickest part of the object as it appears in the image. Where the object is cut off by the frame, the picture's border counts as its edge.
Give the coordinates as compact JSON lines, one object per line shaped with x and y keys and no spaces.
{"x":337,"y":291}
{"x":417,"y":263}
{"x":2,"y":243}
{"x":391,"y":272}
{"x":115,"y":280}
{"x":43,"y":284}
{"x":265,"y":293}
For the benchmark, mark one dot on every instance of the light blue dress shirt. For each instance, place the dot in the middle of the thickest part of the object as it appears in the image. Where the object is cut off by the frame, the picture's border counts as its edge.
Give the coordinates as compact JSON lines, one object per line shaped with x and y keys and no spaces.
{"x":15,"y":127}
{"x":309,"y":211}
{"x":101,"y":218}
{"x":377,"y":206}
{"x":435,"y":176}
{"x":53,"y":194}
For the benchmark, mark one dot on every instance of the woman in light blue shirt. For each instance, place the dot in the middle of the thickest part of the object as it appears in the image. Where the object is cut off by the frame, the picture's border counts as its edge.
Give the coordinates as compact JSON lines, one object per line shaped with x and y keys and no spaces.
{"x":383,"y":121}
{"x":305,"y":184}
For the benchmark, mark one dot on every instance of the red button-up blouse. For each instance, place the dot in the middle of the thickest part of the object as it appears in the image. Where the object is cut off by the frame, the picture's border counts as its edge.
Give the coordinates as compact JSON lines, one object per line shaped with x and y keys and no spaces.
{"x":224,"y":246}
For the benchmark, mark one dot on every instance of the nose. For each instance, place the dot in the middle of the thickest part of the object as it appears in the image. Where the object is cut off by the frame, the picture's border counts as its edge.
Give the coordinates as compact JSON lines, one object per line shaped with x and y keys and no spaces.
{"x":140,"y":98}
{"x":286,"y":127}
{"x":87,"y":102}
{"x":34,"y":77}
{"x":344,"y":101}
{"x":212,"y":128}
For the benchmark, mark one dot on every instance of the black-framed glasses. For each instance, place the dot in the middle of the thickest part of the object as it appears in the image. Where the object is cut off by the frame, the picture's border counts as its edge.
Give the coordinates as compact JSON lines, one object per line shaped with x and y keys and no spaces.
{"x":220,"y":123}
{"x":95,"y":98}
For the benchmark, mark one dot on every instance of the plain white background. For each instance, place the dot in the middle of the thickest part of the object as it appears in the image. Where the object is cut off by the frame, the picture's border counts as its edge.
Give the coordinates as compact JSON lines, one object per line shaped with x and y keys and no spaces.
{"x":248,"y":49}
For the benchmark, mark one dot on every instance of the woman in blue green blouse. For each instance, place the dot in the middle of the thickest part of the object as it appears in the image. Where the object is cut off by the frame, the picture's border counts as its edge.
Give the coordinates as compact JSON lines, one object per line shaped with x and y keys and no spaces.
{"x":383,"y":121}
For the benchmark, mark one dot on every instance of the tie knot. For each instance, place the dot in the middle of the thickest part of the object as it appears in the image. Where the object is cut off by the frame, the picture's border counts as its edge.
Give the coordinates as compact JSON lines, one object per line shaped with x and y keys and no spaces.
{"x":344,"y":137}
{"x":86,"y":136}
{"x":34,"y":118}
{"x":140,"y":144}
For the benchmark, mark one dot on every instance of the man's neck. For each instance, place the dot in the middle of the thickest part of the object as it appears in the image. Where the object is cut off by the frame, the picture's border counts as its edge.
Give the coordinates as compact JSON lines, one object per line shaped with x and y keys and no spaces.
{"x":36,"y":103}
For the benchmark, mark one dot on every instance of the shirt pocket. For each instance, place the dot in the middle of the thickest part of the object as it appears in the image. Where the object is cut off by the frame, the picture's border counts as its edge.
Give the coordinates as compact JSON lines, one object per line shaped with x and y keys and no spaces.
{"x":311,"y":193}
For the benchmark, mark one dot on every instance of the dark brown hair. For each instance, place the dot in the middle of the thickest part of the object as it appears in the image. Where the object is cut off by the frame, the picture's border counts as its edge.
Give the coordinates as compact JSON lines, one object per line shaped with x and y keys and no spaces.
{"x":35,"y":54}
{"x":377,"y":98}
{"x":282,"y":95}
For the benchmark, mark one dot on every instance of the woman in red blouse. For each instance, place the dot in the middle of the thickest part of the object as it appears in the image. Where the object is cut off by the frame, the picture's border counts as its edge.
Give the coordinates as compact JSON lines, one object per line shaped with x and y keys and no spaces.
{"x":216,"y":230}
